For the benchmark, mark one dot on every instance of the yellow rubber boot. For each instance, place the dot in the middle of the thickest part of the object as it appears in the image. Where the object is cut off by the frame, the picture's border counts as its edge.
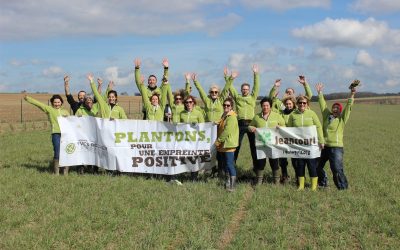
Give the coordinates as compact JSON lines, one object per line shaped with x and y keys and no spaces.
{"x":301,"y":183}
{"x":314,"y":183}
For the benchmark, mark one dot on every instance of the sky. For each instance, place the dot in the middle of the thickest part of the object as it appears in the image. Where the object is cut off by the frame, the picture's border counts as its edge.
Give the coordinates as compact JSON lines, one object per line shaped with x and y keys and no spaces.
{"x":332,"y":42}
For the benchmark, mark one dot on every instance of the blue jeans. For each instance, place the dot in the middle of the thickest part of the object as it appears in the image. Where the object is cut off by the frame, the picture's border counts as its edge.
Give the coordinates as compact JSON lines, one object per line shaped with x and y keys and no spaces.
{"x":244,"y":129}
{"x":311,"y":165}
{"x":226,"y":161}
{"x":335,"y":157}
{"x":55,"y":139}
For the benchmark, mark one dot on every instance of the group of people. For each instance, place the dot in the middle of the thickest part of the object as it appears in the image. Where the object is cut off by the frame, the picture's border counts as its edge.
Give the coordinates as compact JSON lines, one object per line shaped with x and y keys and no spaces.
{"x":232,"y":112}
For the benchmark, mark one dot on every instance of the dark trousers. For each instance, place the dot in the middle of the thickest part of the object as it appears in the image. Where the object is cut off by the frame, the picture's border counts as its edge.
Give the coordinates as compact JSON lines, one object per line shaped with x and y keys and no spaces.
{"x":283,"y":163}
{"x":335,"y":157}
{"x":274,"y":163}
{"x":244,"y":129}
{"x":311,"y":165}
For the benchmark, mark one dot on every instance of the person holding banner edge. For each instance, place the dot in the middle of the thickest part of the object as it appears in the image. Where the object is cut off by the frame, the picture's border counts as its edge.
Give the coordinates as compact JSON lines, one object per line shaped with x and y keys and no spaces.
{"x":303,"y":116}
{"x":226,"y":143}
{"x":53,"y":112}
{"x":333,"y":128}
{"x":266,"y":119}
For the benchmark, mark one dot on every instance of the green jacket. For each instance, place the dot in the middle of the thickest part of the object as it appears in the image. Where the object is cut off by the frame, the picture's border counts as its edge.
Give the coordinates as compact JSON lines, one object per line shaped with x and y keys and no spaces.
{"x":277,"y":103}
{"x":273,"y":120}
{"x":213,"y":108}
{"x":306,"y":119}
{"x":177,"y":109}
{"x":245,"y":105}
{"x":334,"y":127}
{"x":105,"y":110}
{"x":83,"y":111}
{"x":228,"y":131}
{"x":154,"y":113}
{"x":148,"y":91}
{"x":52,"y":113}
{"x":195,"y":116}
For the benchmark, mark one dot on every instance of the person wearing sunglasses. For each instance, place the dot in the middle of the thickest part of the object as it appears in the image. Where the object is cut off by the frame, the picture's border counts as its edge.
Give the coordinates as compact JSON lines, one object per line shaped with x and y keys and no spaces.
{"x":245,"y":105}
{"x":151,"y":81}
{"x":278,"y":103}
{"x":191,"y":115}
{"x":154,"y":105}
{"x":226,"y":143}
{"x":213,"y":101}
{"x":266,"y":119}
{"x":303,"y":116}
{"x":176,"y":105}
{"x":334,"y":121}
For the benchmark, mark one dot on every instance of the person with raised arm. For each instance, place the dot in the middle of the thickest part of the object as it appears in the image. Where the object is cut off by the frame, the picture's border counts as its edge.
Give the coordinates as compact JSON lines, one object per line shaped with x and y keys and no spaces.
{"x":151,"y":81}
{"x":245,"y":105}
{"x":277,"y":103}
{"x":266,"y":119}
{"x":53,"y":112}
{"x":213,"y":101}
{"x":154,"y":105}
{"x":303,"y":116}
{"x":226,"y":143}
{"x":176,"y":105}
{"x":334,"y":121}
{"x":110,"y":108}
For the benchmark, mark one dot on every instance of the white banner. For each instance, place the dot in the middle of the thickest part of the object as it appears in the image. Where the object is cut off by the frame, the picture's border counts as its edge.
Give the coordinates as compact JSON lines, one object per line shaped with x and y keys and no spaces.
{"x":137,"y":145}
{"x":287,"y":142}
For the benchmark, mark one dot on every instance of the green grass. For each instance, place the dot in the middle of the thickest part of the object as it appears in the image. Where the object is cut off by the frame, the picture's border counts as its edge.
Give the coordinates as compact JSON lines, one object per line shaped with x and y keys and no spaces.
{"x":42,"y":211}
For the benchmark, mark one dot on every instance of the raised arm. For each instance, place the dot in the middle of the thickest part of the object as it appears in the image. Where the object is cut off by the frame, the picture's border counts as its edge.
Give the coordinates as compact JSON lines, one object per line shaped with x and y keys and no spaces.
{"x":203,"y":95}
{"x":307,"y":89}
{"x":138,"y":75}
{"x":256,"y":87}
{"x":321,"y":99}
{"x":145,"y":97}
{"x":165,"y":64}
{"x":225,"y":91}
{"x":349,"y":105}
{"x":188,"y":88}
{"x":38,"y":104}
{"x":70,"y":98}
{"x":274,"y":90}
{"x":164,"y":92}
{"x":234,"y":92}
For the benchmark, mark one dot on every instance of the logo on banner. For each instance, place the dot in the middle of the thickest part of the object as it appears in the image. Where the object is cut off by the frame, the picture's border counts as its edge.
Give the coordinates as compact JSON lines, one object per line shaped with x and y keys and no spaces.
{"x":70,"y":148}
{"x":265,"y":137}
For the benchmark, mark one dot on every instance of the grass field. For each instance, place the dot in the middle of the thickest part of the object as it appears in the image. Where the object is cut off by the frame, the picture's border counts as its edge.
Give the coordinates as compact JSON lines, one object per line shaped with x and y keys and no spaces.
{"x":42,"y":211}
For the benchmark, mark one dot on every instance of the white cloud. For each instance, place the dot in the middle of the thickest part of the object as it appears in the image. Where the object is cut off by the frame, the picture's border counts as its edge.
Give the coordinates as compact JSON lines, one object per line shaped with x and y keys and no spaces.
{"x":286,"y":4}
{"x":391,"y":67}
{"x":392,"y":82}
{"x":364,"y":58}
{"x":25,"y":19}
{"x":114,"y":74}
{"x":374,"y":6}
{"x":291,"y":68}
{"x":324,"y":53}
{"x":53,"y":72}
{"x":345,"y":32}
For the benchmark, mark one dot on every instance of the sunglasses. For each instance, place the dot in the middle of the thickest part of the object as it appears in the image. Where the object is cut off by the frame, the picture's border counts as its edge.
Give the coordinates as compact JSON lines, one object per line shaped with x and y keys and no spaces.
{"x":188,"y":102}
{"x":304,"y":103}
{"x":213,"y":92}
{"x":226,"y":105}
{"x":178,"y":98}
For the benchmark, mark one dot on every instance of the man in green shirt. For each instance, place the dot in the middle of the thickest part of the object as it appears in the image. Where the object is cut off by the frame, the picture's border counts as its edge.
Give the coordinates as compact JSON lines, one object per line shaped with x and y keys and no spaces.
{"x":245,"y":105}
